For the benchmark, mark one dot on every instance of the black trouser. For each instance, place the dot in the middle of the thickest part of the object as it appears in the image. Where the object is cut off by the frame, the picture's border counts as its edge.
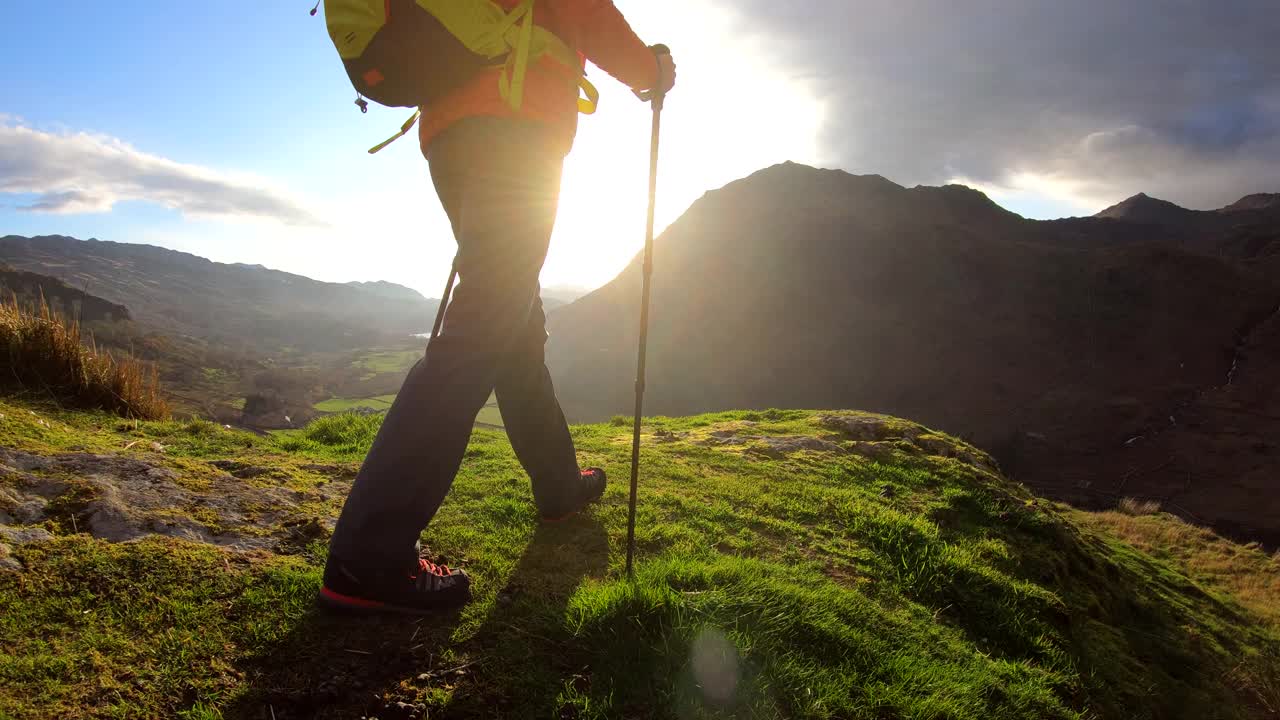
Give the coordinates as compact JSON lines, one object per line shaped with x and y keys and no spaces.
{"x":499,"y":181}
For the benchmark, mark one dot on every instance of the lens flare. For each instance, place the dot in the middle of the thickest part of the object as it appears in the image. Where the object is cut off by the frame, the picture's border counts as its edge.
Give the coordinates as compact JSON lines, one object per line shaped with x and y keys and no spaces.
{"x":715,"y":666}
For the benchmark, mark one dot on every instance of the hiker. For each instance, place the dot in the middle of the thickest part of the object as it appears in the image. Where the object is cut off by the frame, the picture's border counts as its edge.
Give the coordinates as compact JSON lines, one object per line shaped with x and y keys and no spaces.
{"x":497,"y":173}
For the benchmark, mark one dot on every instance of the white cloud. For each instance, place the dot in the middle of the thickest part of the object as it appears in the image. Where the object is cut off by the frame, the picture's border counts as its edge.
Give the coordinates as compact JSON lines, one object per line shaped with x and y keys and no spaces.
{"x":85,"y":173}
{"x":1177,"y":99}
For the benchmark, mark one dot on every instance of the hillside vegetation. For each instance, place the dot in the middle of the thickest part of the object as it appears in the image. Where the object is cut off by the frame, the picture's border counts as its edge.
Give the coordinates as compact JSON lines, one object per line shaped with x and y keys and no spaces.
{"x":792,"y":564}
{"x":41,"y":354}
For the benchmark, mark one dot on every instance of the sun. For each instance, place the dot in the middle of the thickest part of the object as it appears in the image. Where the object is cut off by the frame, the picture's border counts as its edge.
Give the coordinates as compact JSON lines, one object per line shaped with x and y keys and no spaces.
{"x":733,"y":112}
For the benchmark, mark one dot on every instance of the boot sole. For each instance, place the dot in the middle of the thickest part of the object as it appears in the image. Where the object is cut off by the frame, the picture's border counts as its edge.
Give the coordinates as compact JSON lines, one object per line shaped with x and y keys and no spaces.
{"x":347,"y":605}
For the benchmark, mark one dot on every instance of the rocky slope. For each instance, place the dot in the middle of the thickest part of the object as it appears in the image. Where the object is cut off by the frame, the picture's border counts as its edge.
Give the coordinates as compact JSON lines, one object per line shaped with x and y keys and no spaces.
{"x":1050,"y":343}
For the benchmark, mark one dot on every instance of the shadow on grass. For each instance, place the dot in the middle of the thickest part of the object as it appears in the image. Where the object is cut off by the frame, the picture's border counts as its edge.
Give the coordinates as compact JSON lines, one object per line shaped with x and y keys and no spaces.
{"x":525,"y":645}
{"x":334,"y":666}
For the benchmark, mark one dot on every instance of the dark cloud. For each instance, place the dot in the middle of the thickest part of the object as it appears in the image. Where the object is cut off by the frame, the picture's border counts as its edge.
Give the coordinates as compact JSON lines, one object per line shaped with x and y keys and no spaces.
{"x":1177,"y":98}
{"x":76,"y":173}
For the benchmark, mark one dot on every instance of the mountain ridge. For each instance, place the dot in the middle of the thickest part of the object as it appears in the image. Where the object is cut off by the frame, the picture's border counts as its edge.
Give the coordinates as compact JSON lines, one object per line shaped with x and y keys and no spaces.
{"x":802,"y":287}
{"x":240,"y":305}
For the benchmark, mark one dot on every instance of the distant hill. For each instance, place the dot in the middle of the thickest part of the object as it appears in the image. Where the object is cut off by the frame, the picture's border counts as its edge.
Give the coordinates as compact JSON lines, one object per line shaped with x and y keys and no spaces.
{"x":1258,"y":201}
{"x":29,"y":289}
{"x":243,"y":307}
{"x":388,"y":290}
{"x":1051,"y":343}
{"x":1142,"y":208}
{"x":556,"y":295}
{"x":1246,"y":230}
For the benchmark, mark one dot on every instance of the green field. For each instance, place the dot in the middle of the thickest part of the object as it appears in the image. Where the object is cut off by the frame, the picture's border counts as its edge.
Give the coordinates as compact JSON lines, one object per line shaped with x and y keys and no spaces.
{"x":790,"y":565}
{"x":390,"y":361}
{"x":489,"y":414}
{"x":337,"y":405}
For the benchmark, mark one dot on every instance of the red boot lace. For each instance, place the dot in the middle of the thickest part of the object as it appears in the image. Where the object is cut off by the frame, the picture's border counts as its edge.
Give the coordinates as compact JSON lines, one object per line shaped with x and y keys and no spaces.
{"x":425,"y":566}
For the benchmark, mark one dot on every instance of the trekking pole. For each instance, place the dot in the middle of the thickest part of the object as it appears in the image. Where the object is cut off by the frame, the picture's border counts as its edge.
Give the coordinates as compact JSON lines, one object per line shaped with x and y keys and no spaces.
{"x":444,"y":301}
{"x":656,"y":100}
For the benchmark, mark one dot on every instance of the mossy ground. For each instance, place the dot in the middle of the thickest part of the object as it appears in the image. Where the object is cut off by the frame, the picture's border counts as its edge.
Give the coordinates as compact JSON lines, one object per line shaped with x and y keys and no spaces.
{"x":817,"y":584}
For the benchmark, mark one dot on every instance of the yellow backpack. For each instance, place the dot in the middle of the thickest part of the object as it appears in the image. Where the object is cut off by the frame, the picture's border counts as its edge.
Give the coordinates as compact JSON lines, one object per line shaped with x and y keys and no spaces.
{"x":410,"y":53}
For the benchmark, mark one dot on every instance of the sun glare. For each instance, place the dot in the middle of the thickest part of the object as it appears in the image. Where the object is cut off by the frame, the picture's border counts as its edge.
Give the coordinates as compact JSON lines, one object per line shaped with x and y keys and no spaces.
{"x":732,"y":113}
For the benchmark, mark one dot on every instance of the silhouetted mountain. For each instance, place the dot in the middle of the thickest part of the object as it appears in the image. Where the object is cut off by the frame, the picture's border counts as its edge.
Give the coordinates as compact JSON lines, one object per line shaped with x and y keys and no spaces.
{"x":241,"y":307}
{"x":1145,"y":209}
{"x":1258,"y":201}
{"x":388,"y":290}
{"x":1050,"y":343}
{"x":1248,"y":229}
{"x":556,"y":295}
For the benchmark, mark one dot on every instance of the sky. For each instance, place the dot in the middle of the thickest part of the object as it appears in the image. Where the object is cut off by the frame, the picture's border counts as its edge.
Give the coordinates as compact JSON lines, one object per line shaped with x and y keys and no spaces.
{"x":227,"y":129}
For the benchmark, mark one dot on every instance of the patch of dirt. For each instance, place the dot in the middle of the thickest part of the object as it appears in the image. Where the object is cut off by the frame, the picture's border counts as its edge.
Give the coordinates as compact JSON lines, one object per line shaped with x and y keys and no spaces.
{"x":240,"y":470}
{"x":119,"y":499}
{"x":339,"y":472}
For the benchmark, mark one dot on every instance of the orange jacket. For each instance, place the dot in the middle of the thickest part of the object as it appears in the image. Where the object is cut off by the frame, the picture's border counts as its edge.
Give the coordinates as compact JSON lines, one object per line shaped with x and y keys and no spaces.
{"x":600,"y":34}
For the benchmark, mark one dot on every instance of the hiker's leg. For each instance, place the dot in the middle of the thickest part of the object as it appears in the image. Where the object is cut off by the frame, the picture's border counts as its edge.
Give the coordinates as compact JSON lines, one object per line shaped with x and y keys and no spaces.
{"x":498,"y":186}
{"x":533,"y":419}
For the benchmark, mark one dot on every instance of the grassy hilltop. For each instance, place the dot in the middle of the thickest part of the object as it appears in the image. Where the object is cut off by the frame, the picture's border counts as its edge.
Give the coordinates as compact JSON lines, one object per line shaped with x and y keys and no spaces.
{"x":792,"y":564}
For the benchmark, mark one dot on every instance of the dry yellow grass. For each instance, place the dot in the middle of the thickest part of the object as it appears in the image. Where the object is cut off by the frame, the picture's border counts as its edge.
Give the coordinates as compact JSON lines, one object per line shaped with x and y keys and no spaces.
{"x":41,"y":352}
{"x":1244,"y":571}
{"x":1134,"y":506}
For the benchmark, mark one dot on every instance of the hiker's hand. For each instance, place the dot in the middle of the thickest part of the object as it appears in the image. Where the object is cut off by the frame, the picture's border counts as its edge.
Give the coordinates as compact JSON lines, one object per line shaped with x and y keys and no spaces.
{"x":666,"y":72}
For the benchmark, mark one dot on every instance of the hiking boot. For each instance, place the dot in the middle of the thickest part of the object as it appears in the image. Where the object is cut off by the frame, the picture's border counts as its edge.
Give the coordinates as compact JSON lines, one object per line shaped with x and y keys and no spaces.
{"x":418,"y":589}
{"x":592,"y":486}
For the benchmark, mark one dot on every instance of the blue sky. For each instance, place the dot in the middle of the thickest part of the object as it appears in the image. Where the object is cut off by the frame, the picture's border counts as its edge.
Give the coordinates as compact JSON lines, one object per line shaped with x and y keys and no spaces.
{"x":248,"y":98}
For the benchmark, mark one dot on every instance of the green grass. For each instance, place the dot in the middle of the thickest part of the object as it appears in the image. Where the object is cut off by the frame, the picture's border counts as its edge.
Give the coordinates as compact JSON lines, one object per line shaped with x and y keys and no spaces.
{"x":338,"y":405}
{"x":814,"y":586}
{"x":490,"y":415}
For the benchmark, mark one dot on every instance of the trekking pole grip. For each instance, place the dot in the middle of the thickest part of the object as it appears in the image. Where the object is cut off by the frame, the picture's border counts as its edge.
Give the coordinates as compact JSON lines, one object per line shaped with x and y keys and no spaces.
{"x":655,"y":96}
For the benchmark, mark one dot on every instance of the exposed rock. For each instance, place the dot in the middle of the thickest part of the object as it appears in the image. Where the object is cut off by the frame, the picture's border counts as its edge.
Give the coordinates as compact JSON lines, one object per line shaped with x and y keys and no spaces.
{"x":119,"y":499}
{"x":871,"y":437}
{"x":772,"y":446}
{"x":866,"y":427}
{"x":7,"y":562}
{"x":873,"y":450}
{"x":23,"y":535}
{"x":779,"y":447}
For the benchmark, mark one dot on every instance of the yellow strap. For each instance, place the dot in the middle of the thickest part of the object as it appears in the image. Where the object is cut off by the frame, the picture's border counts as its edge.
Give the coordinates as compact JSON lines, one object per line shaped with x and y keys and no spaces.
{"x":511,"y":81}
{"x":520,"y":11}
{"x":587,"y":105}
{"x":404,"y":130}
